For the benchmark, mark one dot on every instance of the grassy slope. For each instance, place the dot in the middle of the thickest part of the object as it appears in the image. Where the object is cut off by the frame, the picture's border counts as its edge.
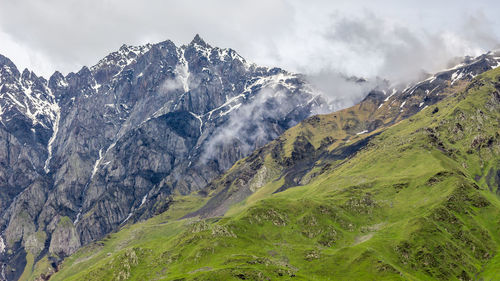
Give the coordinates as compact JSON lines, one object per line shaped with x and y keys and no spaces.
{"x":413,"y":204}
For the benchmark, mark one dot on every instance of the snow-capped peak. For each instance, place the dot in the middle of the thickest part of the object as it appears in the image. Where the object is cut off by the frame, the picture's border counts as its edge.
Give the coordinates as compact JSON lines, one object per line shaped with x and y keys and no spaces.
{"x":126,"y":55}
{"x":198,"y":41}
{"x":28,"y":94}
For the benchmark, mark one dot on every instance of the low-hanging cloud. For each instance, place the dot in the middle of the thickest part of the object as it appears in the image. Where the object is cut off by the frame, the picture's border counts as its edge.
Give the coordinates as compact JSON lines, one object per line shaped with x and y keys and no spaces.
{"x":172,"y":84}
{"x":339,"y":90}
{"x":254,"y":123}
{"x":378,"y":49}
{"x":326,"y":40}
{"x":381,"y":48}
{"x":73,"y":33}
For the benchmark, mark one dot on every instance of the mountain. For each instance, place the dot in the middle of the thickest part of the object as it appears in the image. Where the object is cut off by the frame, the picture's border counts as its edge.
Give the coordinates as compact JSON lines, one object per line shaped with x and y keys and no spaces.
{"x":85,"y":153}
{"x":311,"y":146}
{"x":158,"y":131}
{"x":372,"y":192}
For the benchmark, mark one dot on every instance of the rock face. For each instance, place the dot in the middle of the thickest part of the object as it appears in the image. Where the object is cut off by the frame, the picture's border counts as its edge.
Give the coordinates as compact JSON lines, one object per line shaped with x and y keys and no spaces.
{"x":84,"y":153}
{"x":65,"y":239}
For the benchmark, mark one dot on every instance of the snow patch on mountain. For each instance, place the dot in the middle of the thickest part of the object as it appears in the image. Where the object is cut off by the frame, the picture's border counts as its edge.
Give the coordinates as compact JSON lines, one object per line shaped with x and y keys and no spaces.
{"x":456,"y":76}
{"x":498,"y":63}
{"x":143,"y":200}
{"x":182,"y":71}
{"x":125,"y":56}
{"x":2,"y":245}
{"x":181,"y":80}
{"x":394,"y":91}
{"x":199,"y":119}
{"x":77,"y":217}
{"x":96,"y":164}
{"x":127,"y":218}
{"x":226,"y":104}
{"x":55,"y":130}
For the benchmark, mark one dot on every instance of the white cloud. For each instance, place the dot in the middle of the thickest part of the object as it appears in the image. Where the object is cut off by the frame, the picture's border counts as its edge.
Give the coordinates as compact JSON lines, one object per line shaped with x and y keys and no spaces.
{"x":23,"y":56}
{"x":301,"y":36}
{"x":250,"y":126}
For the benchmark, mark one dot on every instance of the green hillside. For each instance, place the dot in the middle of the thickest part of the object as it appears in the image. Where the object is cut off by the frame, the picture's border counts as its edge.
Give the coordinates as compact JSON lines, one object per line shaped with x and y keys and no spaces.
{"x":412,"y":200}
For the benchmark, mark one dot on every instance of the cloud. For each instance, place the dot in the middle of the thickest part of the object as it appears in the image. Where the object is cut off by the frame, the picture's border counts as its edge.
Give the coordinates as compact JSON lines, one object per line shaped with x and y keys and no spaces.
{"x":72,"y":33}
{"x":336,"y":50}
{"x":254,"y":123}
{"x":368,"y":45}
{"x":480,"y":30}
{"x":399,"y":53}
{"x":392,"y":39}
{"x":248,"y":125}
{"x":172,"y":84}
{"x":23,"y":56}
{"x":339,"y":90}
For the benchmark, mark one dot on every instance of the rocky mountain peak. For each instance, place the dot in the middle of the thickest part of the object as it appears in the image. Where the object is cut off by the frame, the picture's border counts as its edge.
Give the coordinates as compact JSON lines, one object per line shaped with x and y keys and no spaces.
{"x":56,"y":80}
{"x":27,"y":75}
{"x":115,"y":62}
{"x":109,"y":144}
{"x":5,"y":61}
{"x":84,"y":71}
{"x":8,"y":70}
{"x":197,"y":40}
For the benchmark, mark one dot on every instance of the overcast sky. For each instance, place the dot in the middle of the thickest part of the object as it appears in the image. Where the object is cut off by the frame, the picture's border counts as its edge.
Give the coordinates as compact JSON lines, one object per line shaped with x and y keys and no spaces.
{"x":393,"y":39}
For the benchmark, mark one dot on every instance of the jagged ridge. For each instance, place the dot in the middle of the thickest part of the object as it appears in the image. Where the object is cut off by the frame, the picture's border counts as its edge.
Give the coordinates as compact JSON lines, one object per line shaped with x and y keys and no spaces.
{"x":109,"y":144}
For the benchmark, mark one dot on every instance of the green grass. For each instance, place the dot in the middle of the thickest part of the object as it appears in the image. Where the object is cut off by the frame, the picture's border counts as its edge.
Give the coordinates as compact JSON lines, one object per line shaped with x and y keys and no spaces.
{"x":414,"y":204}
{"x":154,"y":234}
{"x":28,"y":268}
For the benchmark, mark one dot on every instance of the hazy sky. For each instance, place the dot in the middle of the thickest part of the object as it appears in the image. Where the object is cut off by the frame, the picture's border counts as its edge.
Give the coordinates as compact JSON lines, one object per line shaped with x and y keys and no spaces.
{"x":392,"y":39}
